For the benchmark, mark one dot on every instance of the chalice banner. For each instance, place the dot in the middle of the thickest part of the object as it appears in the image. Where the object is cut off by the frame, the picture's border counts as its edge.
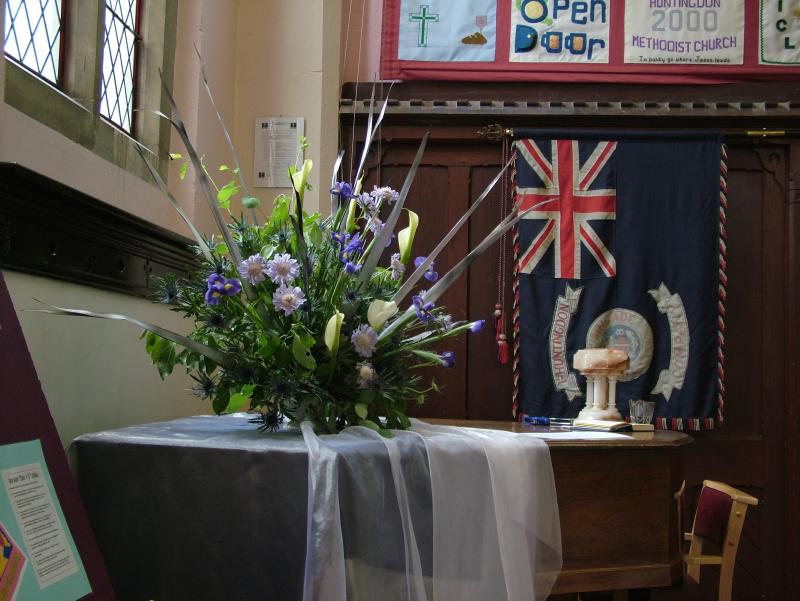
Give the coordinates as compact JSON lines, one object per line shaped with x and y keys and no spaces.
{"x":621,"y":246}
{"x":634,"y":41}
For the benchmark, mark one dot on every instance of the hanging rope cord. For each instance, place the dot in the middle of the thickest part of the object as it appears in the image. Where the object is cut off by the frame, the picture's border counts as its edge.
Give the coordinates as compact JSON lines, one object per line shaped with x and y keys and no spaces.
{"x":502,"y":264}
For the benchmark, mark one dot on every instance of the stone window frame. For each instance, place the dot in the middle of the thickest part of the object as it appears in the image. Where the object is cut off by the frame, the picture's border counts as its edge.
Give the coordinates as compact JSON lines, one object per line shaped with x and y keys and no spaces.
{"x":72,"y":108}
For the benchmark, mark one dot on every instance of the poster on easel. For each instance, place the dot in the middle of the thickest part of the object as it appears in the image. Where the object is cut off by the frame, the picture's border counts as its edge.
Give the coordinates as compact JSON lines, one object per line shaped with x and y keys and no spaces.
{"x":42,"y":563}
{"x":47,"y":548}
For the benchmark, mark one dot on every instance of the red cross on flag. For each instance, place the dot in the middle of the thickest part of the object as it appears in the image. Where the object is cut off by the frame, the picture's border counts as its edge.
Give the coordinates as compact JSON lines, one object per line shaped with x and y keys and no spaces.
{"x":568,"y":192}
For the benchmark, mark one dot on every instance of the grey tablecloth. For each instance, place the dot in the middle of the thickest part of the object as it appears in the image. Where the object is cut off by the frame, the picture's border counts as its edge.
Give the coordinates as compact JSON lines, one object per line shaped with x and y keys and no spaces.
{"x":209,"y":508}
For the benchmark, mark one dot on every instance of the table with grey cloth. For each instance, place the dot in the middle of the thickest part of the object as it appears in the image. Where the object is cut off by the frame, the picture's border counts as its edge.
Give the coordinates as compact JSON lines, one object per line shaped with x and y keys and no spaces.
{"x":211,"y":508}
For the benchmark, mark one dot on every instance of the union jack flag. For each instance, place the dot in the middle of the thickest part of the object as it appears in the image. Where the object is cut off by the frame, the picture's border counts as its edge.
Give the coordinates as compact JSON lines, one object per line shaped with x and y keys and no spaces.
{"x":567,"y":183}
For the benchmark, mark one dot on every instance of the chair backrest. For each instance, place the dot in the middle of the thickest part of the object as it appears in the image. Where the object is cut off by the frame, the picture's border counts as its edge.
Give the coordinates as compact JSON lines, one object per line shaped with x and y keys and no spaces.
{"x":719,"y":518}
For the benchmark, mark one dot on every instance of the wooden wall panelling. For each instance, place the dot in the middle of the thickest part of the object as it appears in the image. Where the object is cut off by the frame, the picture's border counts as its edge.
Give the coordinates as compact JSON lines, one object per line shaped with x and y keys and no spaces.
{"x":489,"y":387}
{"x":792,"y":362}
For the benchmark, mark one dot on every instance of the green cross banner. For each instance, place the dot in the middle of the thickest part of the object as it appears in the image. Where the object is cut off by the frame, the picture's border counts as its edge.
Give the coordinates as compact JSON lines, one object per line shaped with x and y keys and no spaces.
{"x":447,"y":30}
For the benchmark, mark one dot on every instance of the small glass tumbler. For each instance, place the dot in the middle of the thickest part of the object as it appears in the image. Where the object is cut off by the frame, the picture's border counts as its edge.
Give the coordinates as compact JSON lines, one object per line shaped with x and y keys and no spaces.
{"x":641,"y":412}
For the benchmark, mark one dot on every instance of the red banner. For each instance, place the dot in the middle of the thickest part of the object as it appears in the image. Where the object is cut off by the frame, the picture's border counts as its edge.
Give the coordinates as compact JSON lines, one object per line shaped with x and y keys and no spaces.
{"x":657,"y":41}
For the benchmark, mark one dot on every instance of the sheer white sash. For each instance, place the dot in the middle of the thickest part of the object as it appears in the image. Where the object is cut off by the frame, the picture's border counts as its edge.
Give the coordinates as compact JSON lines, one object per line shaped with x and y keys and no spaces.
{"x":467,"y":514}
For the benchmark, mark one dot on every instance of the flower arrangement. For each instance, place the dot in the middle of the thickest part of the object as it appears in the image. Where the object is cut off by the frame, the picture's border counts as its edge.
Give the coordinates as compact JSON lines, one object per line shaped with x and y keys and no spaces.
{"x":306,"y":316}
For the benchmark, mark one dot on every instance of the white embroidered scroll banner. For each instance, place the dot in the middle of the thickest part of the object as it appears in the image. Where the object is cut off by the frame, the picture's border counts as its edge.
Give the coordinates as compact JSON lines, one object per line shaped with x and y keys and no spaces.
{"x":694,"y":32}
{"x":779,"y":32}
{"x":447,"y":30}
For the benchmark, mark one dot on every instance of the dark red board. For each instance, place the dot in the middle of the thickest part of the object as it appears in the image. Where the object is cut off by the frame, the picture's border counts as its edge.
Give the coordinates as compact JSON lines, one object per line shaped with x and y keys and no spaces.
{"x":24,"y":415}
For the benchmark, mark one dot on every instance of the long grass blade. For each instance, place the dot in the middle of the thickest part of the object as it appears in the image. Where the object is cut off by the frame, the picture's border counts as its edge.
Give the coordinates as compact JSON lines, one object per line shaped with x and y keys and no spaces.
{"x":163,"y":187}
{"x":371,"y":131}
{"x":451,"y":276}
{"x":420,"y":271}
{"x":236,"y":162}
{"x":336,"y":166}
{"x":380,"y":241}
{"x":202,"y":178}
{"x":215,"y":355}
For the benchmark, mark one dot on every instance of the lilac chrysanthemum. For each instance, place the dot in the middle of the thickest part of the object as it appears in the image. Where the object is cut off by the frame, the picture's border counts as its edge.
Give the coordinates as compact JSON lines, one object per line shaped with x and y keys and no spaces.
{"x":283,"y":269}
{"x":253,"y":269}
{"x":287,"y":299}
{"x":398,"y":269}
{"x":385,"y":193}
{"x":376,"y":226}
{"x":367,"y":202}
{"x":364,"y":340}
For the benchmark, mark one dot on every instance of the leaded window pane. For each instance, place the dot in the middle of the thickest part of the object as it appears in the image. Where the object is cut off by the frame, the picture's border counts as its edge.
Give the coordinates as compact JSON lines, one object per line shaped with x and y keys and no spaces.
{"x":33,"y":35}
{"x":119,"y":57}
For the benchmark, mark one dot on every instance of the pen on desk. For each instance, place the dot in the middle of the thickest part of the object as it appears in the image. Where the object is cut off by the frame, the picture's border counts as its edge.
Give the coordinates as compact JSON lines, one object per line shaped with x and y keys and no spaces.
{"x":537,"y":420}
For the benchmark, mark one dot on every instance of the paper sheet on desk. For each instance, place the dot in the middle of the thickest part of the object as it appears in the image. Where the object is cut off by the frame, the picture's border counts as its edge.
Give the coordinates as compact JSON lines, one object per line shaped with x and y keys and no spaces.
{"x":577,"y":435}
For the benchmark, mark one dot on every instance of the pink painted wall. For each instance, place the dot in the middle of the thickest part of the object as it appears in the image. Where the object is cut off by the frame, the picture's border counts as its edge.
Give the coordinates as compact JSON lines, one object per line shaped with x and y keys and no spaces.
{"x":361,"y":40}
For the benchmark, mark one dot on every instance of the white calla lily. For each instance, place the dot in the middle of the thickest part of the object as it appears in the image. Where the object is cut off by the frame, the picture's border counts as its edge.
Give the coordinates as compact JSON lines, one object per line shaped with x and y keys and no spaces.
{"x":332,"y":331}
{"x":350,"y":224}
{"x":300,"y":178}
{"x":379,"y":311}
{"x":405,"y":238}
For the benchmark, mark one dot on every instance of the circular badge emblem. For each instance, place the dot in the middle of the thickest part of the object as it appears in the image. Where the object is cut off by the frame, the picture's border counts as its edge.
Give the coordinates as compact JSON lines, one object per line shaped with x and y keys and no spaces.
{"x":627,"y":331}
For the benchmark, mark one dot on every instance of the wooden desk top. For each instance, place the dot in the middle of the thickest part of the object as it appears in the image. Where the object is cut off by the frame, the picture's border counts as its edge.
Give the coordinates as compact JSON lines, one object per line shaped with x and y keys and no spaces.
{"x":657,"y":439}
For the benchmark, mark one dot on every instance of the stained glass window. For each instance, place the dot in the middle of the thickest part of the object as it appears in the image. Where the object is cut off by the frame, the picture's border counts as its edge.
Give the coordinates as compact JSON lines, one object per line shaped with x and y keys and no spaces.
{"x":33,"y":35}
{"x":119,"y":62}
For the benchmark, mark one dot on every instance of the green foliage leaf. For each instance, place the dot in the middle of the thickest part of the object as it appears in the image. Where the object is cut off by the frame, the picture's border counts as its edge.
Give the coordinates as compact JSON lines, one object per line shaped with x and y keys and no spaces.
{"x":241,"y":399}
{"x":301,"y":351}
{"x":225,"y":193}
{"x":315,"y":235}
{"x":162,"y":353}
{"x":220,"y":401}
{"x":224,"y":168}
{"x":361,"y":410}
{"x":184,"y":169}
{"x":175,"y":156}
{"x":280,"y":212}
{"x":221,"y":249}
{"x":268,"y":345}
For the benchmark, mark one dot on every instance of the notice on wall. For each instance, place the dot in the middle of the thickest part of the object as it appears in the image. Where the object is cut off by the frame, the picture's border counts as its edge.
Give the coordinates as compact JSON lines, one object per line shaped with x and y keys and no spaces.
{"x":779,"y":32}
{"x":443,"y":30}
{"x":560,"y":31}
{"x":40,"y":561}
{"x":277,"y":147}
{"x":684,"y":32}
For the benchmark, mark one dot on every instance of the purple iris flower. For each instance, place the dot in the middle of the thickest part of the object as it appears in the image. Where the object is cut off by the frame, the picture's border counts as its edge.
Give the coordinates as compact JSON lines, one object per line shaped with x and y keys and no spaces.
{"x":219,"y":287}
{"x":423,"y":309}
{"x":343,"y":190}
{"x":351,"y":249}
{"x":477,"y":326}
{"x":430,"y":274}
{"x":448,"y":358}
{"x":340,"y":239}
{"x":351,"y":268}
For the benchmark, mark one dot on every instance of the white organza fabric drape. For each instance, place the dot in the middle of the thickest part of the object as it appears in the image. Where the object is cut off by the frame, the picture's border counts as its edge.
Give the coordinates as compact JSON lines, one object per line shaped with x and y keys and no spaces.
{"x":436,"y":513}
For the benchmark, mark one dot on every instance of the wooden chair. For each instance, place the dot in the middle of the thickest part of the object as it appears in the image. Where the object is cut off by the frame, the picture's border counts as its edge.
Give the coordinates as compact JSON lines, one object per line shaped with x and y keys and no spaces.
{"x":719,"y":519}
